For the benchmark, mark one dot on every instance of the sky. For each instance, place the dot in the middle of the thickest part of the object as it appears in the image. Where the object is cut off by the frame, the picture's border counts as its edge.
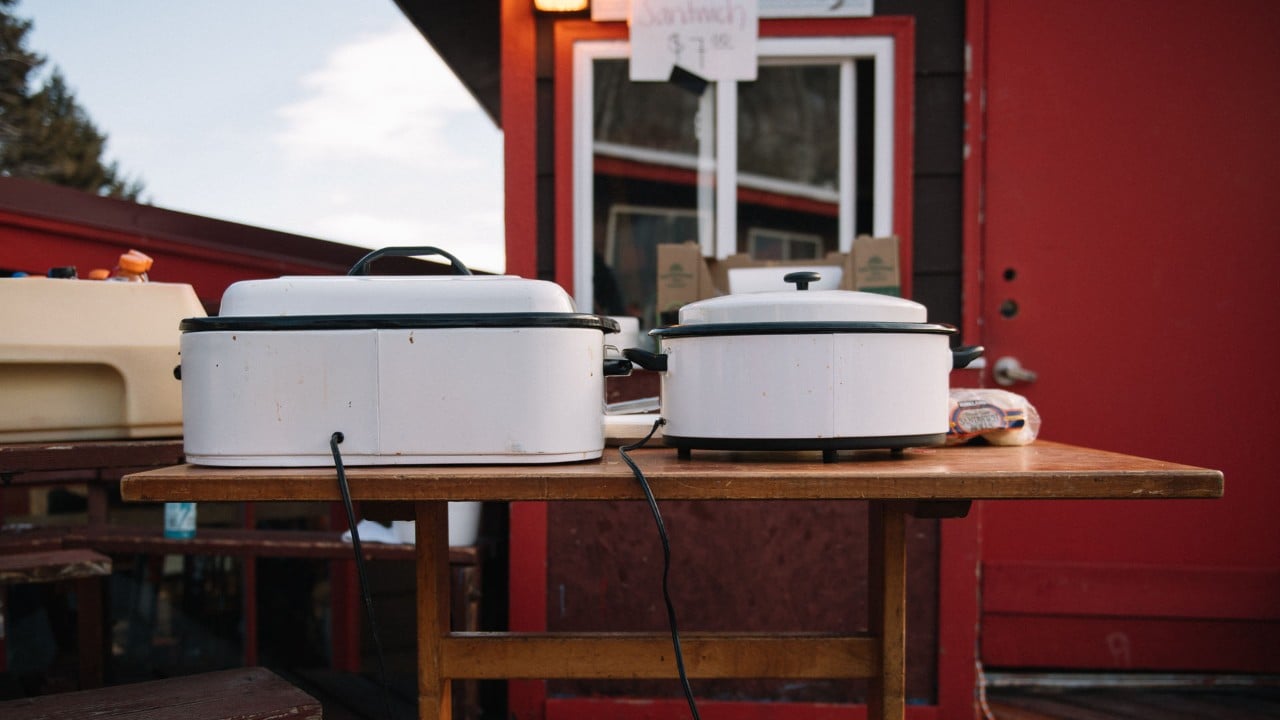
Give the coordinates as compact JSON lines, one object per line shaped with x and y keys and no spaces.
{"x":328,"y":118}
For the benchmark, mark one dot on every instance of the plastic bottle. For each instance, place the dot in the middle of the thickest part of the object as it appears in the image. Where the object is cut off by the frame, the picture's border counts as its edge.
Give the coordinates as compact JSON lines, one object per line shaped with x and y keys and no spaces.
{"x":180,"y":520}
{"x":133,"y":267}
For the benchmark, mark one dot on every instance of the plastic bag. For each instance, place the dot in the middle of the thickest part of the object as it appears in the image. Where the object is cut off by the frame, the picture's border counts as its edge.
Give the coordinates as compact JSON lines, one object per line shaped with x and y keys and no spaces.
{"x":997,"y":416}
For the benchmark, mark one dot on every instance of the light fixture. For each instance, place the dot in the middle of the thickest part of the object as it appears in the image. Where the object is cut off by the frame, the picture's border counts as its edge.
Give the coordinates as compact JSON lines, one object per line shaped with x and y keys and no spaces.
{"x":560,"y":5}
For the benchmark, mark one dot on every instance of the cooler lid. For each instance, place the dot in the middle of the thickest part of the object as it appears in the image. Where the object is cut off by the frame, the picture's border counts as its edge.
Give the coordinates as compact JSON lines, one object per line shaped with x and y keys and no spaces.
{"x":380,"y":295}
{"x":360,"y":301}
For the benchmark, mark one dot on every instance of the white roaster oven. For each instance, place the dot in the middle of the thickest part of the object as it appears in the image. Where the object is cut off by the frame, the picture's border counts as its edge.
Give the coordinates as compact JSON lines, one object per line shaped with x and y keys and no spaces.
{"x":438,"y":369}
{"x":804,"y":370}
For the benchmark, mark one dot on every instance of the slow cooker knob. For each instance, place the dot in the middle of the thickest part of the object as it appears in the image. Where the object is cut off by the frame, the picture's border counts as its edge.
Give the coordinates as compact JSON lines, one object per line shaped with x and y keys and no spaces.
{"x":802,"y":278}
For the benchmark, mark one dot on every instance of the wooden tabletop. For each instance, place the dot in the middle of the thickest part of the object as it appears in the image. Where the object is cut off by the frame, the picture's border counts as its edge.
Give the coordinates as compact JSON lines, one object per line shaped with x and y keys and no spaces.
{"x":1042,"y":470}
{"x":18,"y":459}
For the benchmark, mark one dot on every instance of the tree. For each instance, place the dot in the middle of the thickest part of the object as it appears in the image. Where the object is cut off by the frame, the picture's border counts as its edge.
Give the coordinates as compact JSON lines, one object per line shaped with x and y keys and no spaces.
{"x":44,"y":133}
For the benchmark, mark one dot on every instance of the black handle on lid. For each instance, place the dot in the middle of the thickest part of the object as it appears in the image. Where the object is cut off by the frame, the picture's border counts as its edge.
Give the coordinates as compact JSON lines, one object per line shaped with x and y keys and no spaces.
{"x":362,"y":266}
{"x":802,"y":278}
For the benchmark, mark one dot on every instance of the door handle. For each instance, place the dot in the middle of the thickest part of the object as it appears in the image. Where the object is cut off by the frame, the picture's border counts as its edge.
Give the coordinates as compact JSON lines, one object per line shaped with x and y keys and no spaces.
{"x":1008,"y":371}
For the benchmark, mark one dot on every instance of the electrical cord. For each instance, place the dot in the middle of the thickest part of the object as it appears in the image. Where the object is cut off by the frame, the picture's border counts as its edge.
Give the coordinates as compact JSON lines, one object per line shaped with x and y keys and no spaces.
{"x":666,"y":562}
{"x":334,"y":440}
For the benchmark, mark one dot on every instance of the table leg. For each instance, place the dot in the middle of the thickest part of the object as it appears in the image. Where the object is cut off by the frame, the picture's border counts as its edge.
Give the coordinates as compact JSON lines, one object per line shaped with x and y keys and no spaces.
{"x":90,"y":618}
{"x":887,"y":585}
{"x":434,"y":697}
{"x":249,"y":597}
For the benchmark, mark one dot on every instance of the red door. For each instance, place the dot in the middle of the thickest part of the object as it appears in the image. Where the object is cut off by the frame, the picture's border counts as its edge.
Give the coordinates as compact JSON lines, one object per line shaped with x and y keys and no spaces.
{"x":1131,"y":260}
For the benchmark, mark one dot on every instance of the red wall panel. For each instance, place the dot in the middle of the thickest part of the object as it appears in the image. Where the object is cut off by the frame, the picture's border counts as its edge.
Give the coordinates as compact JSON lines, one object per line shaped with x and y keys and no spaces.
{"x":1129,"y":164}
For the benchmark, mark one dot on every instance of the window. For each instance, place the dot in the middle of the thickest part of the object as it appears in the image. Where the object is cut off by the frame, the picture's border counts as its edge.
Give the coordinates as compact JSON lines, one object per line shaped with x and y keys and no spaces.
{"x":767,"y":244}
{"x":791,"y":165}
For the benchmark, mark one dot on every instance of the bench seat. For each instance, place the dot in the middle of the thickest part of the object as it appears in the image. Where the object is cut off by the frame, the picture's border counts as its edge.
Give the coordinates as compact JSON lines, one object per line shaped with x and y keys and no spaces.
{"x":240,"y":694}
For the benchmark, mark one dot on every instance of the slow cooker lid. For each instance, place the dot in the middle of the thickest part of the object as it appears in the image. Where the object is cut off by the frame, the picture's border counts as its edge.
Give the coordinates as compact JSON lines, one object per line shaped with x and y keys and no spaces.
{"x":353,"y":302}
{"x":366,"y":295}
{"x":802,"y":311}
{"x":803,"y":306}
{"x":397,"y":321}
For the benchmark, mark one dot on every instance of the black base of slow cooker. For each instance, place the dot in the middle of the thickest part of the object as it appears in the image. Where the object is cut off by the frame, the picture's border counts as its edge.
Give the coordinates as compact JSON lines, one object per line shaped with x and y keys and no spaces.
{"x":828,"y":446}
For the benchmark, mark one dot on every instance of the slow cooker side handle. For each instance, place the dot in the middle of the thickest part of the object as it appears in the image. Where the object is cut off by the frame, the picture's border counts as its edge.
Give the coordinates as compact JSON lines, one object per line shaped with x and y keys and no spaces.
{"x":362,"y":266}
{"x":646,"y":359}
{"x":617,"y":367}
{"x":962,"y":356}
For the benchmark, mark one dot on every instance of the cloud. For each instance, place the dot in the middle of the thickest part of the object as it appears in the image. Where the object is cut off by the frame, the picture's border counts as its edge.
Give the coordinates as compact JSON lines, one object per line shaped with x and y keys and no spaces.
{"x":385,"y":147}
{"x":384,"y":97}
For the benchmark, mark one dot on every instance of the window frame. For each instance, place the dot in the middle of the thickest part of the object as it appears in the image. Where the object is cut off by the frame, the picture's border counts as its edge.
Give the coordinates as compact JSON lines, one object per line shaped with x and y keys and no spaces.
{"x":721,"y":242}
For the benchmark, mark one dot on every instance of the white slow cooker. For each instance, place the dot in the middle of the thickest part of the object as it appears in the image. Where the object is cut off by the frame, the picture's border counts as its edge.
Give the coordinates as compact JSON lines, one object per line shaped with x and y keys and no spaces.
{"x":436,"y":369}
{"x":804,"y":370}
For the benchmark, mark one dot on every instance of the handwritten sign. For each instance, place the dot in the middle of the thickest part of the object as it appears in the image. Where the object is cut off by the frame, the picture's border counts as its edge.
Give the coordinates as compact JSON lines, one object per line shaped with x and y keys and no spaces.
{"x":815,"y":8}
{"x":611,"y":10}
{"x":713,"y":39}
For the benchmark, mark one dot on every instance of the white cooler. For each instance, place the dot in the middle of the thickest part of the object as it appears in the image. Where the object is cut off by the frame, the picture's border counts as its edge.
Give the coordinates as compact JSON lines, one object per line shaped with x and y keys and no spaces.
{"x":90,"y":359}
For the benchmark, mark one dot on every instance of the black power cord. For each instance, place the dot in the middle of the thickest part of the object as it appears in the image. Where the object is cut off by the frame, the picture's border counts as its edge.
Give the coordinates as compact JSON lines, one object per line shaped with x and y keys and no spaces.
{"x":334,"y":440}
{"x":666,"y":562}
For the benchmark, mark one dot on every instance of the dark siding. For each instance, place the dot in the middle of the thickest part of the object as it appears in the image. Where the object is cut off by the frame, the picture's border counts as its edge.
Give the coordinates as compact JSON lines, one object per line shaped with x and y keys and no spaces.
{"x":939,"y":151}
{"x":546,"y":151}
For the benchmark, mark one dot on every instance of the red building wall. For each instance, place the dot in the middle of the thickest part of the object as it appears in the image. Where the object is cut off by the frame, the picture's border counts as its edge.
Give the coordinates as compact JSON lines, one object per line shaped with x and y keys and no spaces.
{"x":43,"y":226}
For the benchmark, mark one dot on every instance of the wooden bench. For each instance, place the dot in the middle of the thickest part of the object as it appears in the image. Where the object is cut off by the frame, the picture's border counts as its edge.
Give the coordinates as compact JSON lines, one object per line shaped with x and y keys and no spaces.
{"x":236,"y":542}
{"x":249,"y":543}
{"x":241,"y":694}
{"x":52,"y":566}
{"x":86,"y":568}
{"x":464,"y":562}
{"x":98,"y":465}
{"x":14,"y":540}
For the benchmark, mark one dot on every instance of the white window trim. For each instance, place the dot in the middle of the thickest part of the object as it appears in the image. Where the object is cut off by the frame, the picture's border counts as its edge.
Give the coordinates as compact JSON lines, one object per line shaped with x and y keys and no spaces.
{"x":841,"y":50}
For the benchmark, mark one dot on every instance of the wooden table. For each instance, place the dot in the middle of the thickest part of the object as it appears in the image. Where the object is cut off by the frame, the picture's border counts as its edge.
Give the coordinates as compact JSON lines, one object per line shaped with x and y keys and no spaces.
{"x":928,"y":482}
{"x":96,"y":463}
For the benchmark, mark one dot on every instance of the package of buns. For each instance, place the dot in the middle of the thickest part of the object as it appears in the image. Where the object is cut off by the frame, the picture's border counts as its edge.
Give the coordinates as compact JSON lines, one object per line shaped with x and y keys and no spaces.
{"x":998,"y":417}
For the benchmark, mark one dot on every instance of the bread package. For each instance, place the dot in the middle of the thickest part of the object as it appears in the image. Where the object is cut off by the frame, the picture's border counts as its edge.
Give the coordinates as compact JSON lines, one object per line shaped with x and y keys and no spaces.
{"x":997,"y":416}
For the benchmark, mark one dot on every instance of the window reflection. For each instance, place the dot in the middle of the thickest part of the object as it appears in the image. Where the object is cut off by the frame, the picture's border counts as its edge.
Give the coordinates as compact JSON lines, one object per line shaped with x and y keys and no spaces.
{"x":803,"y":135}
{"x":788,"y":125}
{"x":654,"y":173}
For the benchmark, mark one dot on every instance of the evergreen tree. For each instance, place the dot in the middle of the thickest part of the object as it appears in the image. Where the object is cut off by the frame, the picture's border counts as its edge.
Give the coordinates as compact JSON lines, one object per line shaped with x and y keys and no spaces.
{"x":44,"y":133}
